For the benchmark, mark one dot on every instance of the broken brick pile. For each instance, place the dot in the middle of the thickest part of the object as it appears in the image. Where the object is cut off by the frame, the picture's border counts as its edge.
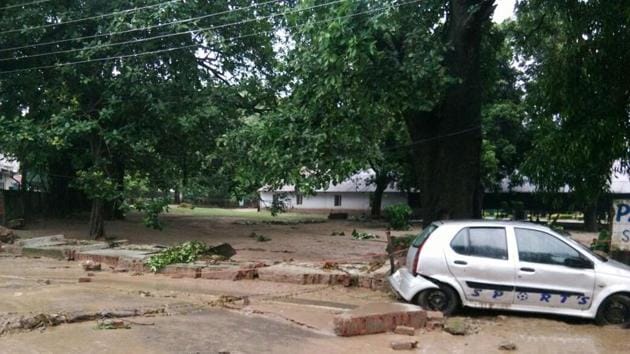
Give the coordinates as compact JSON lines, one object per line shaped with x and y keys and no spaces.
{"x":133,"y":259}
{"x":379,"y":318}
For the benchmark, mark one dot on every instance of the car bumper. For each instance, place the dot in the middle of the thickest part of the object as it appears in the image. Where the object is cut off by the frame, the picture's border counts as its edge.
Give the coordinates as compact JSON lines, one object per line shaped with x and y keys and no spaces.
{"x":407,"y":285}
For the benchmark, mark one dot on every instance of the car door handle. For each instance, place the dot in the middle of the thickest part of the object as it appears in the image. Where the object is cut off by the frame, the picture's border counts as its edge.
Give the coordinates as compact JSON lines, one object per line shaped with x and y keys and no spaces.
{"x":461,"y":262}
{"x":527,"y":269}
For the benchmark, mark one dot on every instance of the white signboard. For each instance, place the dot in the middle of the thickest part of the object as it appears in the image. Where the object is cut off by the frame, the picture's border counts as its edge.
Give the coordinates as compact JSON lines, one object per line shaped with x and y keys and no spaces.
{"x":621,"y":225}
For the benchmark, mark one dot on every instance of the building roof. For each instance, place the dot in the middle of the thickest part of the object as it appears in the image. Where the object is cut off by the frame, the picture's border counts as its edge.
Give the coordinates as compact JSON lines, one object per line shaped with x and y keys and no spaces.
{"x":8,"y":164}
{"x":619,"y":184}
{"x":359,"y":182}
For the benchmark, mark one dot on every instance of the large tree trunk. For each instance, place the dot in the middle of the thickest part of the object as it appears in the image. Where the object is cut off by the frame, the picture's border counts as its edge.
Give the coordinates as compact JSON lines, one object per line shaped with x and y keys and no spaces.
{"x":26,"y":200}
{"x":97,"y":222}
{"x":97,"y":216}
{"x":447,"y":140}
{"x":177,"y":198}
{"x":115,"y":206}
{"x":381,"y":182}
{"x":590,"y":217}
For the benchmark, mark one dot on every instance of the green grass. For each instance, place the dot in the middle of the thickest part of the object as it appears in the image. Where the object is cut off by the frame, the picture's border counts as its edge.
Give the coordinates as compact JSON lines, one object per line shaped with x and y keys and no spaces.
{"x":246,"y":214}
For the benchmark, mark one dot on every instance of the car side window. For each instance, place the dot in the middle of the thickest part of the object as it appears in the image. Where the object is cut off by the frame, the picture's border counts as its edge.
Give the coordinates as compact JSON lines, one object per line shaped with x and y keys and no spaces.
{"x":488,"y":242}
{"x":540,"y":247}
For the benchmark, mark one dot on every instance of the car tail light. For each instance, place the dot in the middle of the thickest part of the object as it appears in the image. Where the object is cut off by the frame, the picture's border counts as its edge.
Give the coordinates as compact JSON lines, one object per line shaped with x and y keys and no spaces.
{"x":417,"y":259}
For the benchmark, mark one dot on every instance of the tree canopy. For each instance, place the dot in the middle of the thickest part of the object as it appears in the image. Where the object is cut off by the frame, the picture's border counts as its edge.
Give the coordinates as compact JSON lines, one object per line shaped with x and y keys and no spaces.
{"x":121,"y":99}
{"x":575,"y":55}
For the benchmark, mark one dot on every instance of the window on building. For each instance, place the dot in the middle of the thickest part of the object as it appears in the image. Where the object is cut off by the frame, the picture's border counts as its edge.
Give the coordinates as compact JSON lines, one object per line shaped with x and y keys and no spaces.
{"x":337,"y":200}
{"x":299,"y":199}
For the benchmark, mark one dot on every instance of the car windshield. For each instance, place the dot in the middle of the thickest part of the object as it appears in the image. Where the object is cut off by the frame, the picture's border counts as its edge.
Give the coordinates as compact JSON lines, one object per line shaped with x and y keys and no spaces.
{"x":424,"y":235}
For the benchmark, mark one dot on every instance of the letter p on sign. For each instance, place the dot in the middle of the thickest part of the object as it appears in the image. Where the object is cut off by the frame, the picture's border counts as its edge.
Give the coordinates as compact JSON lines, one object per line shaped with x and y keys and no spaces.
{"x":621,"y":225}
{"x":623,"y":209}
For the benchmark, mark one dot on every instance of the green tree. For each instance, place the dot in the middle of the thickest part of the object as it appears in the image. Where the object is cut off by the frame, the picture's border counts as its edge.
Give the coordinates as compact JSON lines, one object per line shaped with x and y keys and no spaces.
{"x":148,"y":107}
{"x":575,"y":55}
{"x":360,"y":68}
{"x":506,"y":136}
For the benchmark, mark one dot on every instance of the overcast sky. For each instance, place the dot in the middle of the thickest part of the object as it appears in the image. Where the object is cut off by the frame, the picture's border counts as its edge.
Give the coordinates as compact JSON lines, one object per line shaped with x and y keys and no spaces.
{"x":504,"y":10}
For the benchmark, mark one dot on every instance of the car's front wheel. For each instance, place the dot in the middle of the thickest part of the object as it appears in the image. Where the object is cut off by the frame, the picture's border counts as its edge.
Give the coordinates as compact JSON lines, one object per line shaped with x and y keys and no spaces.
{"x":444,"y":299}
{"x":614,"y":310}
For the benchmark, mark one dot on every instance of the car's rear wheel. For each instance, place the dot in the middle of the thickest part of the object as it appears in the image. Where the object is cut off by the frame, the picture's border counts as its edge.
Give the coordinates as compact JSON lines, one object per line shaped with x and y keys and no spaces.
{"x":615,"y":310}
{"x":444,"y":299}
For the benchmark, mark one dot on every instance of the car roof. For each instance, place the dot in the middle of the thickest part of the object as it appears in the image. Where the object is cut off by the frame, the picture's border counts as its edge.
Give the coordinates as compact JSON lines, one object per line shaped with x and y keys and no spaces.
{"x":503,"y":223}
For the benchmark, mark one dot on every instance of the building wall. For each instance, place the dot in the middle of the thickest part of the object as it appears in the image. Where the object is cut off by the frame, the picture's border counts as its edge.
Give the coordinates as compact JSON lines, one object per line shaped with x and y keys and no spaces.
{"x":326,"y":200}
{"x":6,"y":182}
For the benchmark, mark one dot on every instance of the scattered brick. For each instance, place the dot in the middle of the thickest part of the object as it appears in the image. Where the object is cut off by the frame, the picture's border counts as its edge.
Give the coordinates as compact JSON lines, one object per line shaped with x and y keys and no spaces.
{"x":509,"y":346}
{"x":90,"y":265}
{"x":404,"y":345}
{"x":378,"y":318}
{"x":410,"y":331}
{"x":435,"y":315}
{"x":85,"y":280}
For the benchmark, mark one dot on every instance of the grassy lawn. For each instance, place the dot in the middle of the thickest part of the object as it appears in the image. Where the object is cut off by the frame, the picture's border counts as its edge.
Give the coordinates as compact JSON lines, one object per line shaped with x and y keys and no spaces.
{"x":249,"y":214}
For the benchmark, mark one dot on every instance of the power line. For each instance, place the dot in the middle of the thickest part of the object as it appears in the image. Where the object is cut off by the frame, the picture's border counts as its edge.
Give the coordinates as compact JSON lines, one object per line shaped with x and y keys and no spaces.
{"x":167,"y":35}
{"x":24,"y":4}
{"x":35,"y":45}
{"x":433,"y":138}
{"x":187,"y":46}
{"x":28,"y":29}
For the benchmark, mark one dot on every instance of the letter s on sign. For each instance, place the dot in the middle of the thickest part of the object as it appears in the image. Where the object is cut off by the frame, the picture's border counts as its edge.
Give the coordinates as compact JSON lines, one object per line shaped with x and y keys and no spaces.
{"x":625,"y":236}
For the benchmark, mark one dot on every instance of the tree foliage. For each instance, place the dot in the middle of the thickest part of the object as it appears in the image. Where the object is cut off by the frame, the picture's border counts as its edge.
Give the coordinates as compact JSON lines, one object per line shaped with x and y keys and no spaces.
{"x":155,"y":113}
{"x":358,"y":73}
{"x":575,"y":55}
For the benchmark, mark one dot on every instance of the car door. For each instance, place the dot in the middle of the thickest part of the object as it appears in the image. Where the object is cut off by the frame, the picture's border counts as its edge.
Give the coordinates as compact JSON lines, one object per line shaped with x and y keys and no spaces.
{"x":478,"y":258}
{"x":551,"y":272}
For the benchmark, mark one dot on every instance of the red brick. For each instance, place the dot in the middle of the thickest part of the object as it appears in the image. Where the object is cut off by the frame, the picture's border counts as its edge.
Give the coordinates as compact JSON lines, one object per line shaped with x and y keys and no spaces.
{"x":404,"y":344}
{"x":228,"y":273}
{"x":182,"y":270}
{"x":434,"y":325}
{"x":435,"y":315}
{"x":85,"y":280}
{"x":378,"y":318}
{"x":409,"y":331}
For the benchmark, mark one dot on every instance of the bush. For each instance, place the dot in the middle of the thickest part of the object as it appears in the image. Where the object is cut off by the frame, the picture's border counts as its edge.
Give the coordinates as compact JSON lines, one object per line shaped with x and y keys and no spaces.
{"x":398,"y":216}
{"x":187,"y":252}
{"x":403,"y":242}
{"x":602,"y":243}
{"x":152,"y":207}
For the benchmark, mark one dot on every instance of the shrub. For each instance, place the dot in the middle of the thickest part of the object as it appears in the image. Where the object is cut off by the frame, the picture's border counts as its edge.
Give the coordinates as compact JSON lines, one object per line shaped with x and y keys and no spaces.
{"x":398,"y":216}
{"x":602,"y":243}
{"x":187,"y":252}
{"x":152,"y":208}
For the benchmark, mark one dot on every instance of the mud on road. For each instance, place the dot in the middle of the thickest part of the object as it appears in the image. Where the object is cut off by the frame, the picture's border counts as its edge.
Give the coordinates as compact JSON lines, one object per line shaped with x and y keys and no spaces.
{"x":277,"y":317}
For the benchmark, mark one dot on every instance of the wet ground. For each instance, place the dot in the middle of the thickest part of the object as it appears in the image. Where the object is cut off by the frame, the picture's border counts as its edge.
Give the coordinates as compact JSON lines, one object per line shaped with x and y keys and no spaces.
{"x":277,"y":318}
{"x":302,"y":242}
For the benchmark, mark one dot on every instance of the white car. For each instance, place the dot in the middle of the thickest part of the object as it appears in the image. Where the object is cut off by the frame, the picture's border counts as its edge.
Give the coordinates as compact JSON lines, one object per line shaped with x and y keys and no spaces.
{"x":511,"y":266}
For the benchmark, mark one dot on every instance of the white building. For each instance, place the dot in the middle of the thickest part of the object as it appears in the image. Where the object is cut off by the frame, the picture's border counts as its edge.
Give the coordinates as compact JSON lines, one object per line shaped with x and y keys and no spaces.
{"x":9,"y":174}
{"x":353,"y":194}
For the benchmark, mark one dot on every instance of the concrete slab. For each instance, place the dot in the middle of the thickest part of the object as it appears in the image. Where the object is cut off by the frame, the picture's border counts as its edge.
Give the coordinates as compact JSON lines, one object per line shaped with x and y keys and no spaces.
{"x":117,"y":257}
{"x":378,"y":318}
{"x":62,"y":251}
{"x":53,"y":240}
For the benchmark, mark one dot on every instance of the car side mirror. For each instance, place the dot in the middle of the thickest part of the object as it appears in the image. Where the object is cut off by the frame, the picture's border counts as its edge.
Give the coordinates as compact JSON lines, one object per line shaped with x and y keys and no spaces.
{"x":578,"y":262}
